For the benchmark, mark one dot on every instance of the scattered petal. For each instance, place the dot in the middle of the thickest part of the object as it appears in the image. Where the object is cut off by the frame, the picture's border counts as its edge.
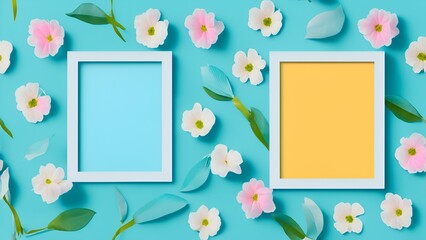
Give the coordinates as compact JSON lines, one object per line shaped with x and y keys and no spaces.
{"x":326,"y":24}
{"x":37,"y":149}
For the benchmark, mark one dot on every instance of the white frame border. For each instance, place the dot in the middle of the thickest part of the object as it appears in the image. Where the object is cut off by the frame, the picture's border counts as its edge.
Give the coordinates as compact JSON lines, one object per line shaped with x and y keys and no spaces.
{"x":378,"y":182}
{"x":74,"y":58}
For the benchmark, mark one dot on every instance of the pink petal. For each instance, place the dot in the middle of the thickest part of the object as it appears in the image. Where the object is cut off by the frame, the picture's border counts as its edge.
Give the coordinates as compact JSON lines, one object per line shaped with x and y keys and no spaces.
{"x":199,"y":15}
{"x":43,"y":105}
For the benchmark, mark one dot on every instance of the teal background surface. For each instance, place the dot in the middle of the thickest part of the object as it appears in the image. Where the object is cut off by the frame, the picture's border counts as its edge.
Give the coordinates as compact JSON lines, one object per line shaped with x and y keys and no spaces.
{"x":230,"y":129}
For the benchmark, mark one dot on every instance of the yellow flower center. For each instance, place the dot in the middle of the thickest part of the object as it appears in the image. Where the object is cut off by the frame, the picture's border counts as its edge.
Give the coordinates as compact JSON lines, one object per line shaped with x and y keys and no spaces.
{"x":203,"y":28}
{"x":205,"y":222}
{"x":226,"y":161}
{"x":48,"y":181}
{"x":49,"y":38}
{"x":421,"y":56}
{"x":255,"y":197}
{"x":349,"y":219}
{"x":1,"y":57}
{"x":412,"y":151}
{"x":33,"y":103}
{"x":151,"y":31}
{"x":249,"y":67}
{"x":398,"y":212}
{"x":199,"y":124}
{"x":378,"y":28}
{"x":267,"y":22}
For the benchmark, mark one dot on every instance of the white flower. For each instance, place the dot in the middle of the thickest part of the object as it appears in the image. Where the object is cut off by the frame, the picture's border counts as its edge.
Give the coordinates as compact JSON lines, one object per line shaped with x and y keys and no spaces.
{"x":223,"y":161}
{"x":31,"y":104}
{"x":5,"y":51}
{"x":415,"y":56}
{"x":206,"y":221}
{"x":248,"y":66}
{"x":150,"y":31}
{"x":345,"y":217}
{"x":198,"y":121}
{"x":50,"y":183}
{"x":397,"y":212}
{"x":266,"y":19}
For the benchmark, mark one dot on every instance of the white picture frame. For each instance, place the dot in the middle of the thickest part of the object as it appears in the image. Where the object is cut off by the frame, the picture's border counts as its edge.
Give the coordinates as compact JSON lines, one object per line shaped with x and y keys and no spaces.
{"x":75,"y":59}
{"x":276,"y":58}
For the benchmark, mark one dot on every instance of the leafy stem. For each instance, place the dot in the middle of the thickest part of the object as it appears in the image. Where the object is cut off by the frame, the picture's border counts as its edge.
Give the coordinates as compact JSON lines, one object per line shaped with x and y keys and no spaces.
{"x":240,"y":106}
{"x":37,"y":230}
{"x":124,"y":228}
{"x":18,"y":225}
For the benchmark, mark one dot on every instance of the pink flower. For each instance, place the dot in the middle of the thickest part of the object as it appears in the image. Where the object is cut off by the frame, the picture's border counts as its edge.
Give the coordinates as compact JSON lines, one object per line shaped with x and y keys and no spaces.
{"x":412,"y":153}
{"x":203,"y":29}
{"x":379,"y":27}
{"x":256,"y":198}
{"x":31,"y":104}
{"x":46,"y":36}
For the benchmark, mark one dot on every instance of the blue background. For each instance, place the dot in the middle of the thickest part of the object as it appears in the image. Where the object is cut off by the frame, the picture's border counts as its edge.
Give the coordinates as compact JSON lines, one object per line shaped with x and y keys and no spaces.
{"x":230,"y":129}
{"x":119,"y":117}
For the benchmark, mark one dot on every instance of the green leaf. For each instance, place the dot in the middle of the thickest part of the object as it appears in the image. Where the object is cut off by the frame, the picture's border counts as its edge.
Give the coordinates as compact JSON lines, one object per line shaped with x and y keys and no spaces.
{"x":122,"y":205}
{"x":197,"y":176}
{"x":15,"y":9}
{"x":290,"y":227}
{"x":402,"y":109}
{"x":162,"y":206}
{"x":90,"y":13}
{"x":5,"y":129}
{"x":71,"y":220}
{"x":314,"y":219}
{"x":216,"y":81}
{"x":260,"y":126}
{"x":17,"y":221}
{"x":216,"y":96}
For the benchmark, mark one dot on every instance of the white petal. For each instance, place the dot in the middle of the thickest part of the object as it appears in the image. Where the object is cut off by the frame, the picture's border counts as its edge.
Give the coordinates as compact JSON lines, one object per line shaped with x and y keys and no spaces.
{"x":276,"y":23}
{"x":255,"y":21}
{"x":341,"y":210}
{"x":65,"y":186}
{"x":52,"y":193}
{"x":195,"y":221}
{"x":267,"y":7}
{"x":341,"y":227}
{"x":1,"y":164}
{"x":356,"y":225}
{"x":256,"y":77}
{"x":357,"y":209}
